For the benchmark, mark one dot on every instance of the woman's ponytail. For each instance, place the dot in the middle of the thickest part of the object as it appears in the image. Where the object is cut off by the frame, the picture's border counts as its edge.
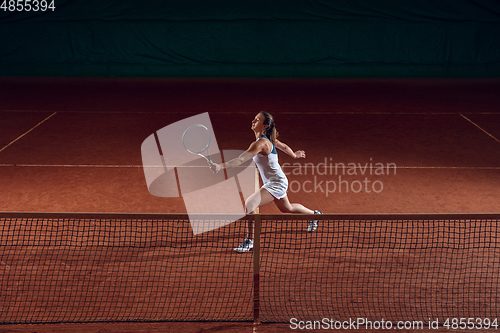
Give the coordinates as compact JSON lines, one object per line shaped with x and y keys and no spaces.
{"x":270,"y":131}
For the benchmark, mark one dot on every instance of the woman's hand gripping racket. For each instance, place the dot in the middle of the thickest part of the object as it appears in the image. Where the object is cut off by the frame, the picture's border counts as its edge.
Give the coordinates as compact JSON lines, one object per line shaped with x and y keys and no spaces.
{"x":196,"y":140}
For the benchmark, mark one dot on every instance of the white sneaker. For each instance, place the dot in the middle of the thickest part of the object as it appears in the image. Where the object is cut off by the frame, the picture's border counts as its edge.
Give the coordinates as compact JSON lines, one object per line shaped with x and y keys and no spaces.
{"x":313,"y":225}
{"x":246,"y":246}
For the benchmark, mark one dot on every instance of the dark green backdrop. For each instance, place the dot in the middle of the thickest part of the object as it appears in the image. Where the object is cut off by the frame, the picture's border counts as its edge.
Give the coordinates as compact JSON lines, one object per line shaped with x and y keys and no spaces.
{"x":349,"y":38}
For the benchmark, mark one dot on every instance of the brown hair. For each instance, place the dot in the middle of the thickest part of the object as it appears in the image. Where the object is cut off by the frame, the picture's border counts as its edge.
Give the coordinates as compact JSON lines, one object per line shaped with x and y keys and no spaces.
{"x":270,"y":131}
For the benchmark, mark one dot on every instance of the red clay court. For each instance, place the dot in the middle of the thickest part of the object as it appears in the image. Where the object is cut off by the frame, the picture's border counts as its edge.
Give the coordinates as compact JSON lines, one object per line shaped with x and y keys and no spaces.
{"x":74,"y":145}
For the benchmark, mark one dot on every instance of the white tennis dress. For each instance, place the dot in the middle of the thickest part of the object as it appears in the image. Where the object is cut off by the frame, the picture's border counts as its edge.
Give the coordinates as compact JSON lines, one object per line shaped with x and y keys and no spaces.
{"x":274,"y":179}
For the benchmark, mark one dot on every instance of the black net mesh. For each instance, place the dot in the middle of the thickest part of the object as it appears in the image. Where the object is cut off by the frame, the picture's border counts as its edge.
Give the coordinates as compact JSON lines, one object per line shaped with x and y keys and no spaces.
{"x":91,"y":269}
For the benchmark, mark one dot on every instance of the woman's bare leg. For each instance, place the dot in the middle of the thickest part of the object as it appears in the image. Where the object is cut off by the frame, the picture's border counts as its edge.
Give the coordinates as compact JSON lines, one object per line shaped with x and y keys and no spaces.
{"x":256,"y":200}
{"x":285,"y":206}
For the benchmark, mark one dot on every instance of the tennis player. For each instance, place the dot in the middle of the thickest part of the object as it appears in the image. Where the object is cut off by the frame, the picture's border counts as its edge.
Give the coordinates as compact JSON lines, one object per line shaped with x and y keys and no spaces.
{"x":263,"y":151}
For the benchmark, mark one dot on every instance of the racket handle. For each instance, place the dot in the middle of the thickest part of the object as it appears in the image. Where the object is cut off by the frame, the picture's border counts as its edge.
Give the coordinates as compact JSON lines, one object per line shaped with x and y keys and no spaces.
{"x":212,"y":166}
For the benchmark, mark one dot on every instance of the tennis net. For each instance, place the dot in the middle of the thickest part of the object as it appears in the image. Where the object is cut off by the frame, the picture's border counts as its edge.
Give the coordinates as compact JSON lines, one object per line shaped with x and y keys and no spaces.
{"x":130,"y":267}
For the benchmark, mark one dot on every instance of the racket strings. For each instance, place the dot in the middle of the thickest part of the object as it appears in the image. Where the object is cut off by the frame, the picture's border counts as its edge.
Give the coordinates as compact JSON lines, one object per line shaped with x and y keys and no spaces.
{"x":196,"y":139}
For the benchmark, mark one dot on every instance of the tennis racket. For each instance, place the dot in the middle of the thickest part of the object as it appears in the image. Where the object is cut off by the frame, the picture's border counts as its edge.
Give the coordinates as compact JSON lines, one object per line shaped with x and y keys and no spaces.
{"x":196,"y":140}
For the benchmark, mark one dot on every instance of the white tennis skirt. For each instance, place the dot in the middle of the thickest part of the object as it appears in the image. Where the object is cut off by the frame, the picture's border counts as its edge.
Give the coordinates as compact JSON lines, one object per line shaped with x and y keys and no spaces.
{"x":277,"y":188}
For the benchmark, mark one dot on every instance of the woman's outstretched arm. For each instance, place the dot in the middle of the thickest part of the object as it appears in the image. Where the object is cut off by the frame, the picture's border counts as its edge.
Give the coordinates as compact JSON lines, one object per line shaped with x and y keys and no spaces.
{"x":254,"y":149}
{"x":287,"y":150}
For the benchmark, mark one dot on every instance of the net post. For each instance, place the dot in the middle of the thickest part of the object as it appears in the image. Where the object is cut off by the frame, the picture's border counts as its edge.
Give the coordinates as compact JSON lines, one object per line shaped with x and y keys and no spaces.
{"x":256,"y":269}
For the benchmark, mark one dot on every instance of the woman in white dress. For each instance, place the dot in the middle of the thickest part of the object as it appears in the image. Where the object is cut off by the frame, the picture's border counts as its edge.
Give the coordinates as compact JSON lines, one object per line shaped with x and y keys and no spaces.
{"x":264,"y":153}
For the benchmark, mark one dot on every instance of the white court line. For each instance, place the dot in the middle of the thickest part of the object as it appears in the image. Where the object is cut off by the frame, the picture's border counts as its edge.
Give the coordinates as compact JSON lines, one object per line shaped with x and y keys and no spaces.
{"x":28,"y":132}
{"x":257,"y":185}
{"x":473,"y":123}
